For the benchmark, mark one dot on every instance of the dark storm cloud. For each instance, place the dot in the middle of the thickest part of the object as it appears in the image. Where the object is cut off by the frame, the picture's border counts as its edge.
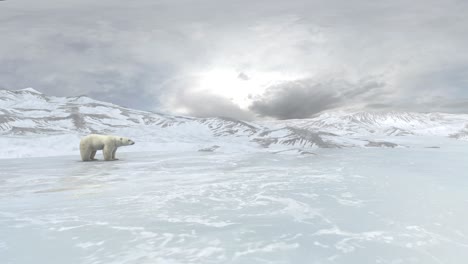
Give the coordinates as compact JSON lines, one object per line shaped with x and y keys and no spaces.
{"x":130,"y":53}
{"x":302,"y":99}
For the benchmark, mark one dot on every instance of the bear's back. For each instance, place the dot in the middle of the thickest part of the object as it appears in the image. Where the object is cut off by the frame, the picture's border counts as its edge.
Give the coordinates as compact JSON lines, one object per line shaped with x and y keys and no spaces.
{"x":97,"y":140}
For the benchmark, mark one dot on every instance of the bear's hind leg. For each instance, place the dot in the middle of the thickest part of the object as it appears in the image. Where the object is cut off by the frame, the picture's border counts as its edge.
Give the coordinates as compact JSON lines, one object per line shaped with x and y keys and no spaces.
{"x":93,"y":153}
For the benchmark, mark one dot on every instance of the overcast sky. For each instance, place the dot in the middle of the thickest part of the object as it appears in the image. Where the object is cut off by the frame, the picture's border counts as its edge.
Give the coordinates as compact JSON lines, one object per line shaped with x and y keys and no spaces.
{"x":245,"y":59}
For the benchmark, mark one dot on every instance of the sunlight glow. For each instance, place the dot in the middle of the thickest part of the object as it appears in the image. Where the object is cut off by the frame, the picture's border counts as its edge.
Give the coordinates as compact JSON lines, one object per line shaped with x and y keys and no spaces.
{"x":239,"y":87}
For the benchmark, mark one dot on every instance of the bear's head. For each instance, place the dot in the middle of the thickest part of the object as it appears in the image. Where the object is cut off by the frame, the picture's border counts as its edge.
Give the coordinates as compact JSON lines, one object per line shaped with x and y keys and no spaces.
{"x":123,"y":141}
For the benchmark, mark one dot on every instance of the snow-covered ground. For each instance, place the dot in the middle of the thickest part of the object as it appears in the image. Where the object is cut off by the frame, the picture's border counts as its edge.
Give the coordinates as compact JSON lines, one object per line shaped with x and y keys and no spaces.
{"x":352,"y":205}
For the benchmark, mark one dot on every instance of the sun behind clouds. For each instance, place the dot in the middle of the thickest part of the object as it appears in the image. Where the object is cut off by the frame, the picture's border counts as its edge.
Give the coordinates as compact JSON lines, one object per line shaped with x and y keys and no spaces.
{"x":240,"y":87}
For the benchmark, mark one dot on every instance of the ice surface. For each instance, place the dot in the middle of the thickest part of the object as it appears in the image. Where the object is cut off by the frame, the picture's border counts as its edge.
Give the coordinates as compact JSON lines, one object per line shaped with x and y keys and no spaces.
{"x":376,"y":205}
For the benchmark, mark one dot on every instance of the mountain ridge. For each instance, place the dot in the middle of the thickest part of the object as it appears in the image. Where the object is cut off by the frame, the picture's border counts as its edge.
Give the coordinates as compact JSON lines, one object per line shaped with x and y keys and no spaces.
{"x":27,"y":113}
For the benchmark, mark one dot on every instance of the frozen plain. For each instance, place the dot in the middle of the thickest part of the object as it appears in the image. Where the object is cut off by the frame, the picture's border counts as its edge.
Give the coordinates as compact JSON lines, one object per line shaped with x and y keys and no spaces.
{"x":374,"y":205}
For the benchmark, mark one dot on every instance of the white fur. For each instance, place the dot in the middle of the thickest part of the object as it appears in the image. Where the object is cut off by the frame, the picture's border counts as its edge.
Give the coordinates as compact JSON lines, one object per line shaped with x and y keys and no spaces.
{"x":107,"y":143}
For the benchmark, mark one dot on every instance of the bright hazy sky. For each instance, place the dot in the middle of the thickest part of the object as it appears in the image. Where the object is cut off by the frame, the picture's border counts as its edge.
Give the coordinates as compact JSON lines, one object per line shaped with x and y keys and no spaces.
{"x":245,"y":59}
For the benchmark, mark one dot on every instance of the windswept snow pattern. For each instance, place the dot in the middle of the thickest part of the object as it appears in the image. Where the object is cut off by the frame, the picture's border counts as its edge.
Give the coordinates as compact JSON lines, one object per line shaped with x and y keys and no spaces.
{"x":379,"y":205}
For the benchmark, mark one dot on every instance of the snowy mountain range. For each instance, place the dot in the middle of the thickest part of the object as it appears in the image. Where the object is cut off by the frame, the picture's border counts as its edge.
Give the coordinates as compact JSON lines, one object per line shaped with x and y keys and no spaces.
{"x":28,"y":114}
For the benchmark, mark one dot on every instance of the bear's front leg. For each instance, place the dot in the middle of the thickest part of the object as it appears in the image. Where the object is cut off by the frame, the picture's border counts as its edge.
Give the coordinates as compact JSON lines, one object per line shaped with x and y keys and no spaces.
{"x":85,"y":154}
{"x":113,"y":154}
{"x":107,"y":152}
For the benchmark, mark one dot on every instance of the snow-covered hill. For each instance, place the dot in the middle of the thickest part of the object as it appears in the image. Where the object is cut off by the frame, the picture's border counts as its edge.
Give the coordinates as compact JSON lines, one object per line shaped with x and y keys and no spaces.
{"x":385,"y":123}
{"x":34,"y":124}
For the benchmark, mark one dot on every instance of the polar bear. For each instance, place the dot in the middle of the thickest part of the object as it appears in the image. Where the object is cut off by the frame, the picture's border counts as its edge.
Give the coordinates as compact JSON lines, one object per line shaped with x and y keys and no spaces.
{"x":107,"y":143}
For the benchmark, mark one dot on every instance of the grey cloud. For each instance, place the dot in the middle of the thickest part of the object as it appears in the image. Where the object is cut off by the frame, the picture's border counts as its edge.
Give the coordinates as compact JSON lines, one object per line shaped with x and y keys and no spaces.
{"x":304,"y":98}
{"x":293,"y":100}
{"x":460,"y":105}
{"x":128,"y":53}
{"x":208,"y":105}
{"x":98,"y":62}
{"x":243,"y":76}
{"x":379,"y":106}
{"x":133,"y":90}
{"x":435,"y":104}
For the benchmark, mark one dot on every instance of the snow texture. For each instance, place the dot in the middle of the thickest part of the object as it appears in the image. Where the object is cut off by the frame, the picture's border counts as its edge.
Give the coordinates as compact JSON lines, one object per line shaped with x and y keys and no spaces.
{"x":376,"y":205}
